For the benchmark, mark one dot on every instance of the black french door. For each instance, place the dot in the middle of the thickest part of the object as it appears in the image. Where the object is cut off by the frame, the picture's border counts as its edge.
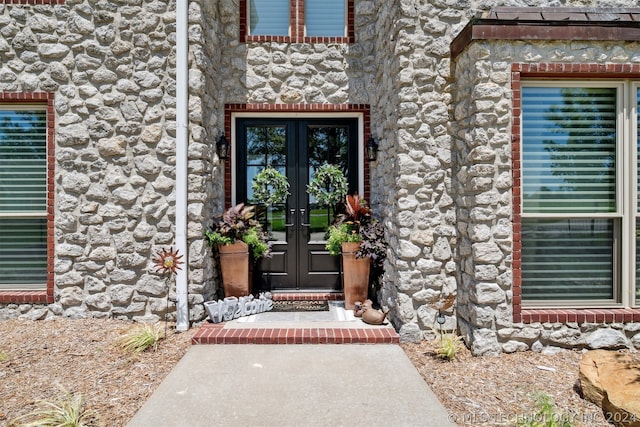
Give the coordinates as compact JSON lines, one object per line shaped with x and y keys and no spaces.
{"x":296,"y":147}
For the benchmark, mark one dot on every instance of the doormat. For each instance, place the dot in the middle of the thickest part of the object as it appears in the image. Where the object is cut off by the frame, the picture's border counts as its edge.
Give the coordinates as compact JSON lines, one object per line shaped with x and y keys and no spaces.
{"x":311,"y":305}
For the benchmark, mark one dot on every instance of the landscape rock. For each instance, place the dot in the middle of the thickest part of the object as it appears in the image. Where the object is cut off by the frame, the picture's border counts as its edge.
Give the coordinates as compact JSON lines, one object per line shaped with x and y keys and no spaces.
{"x":607,"y":339}
{"x":611,"y":380}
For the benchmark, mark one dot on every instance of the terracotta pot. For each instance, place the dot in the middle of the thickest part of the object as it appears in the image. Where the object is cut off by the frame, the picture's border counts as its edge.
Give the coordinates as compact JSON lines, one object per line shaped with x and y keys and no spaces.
{"x":235,"y":268}
{"x":355,"y":279}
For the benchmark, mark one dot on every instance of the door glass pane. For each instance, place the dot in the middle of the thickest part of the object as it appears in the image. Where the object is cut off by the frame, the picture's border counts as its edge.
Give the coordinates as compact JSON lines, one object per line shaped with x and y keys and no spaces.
{"x":326,"y":144}
{"x":269,"y":17}
{"x":325,"y":18}
{"x":567,"y":259}
{"x":266,"y":147}
{"x":569,"y":149}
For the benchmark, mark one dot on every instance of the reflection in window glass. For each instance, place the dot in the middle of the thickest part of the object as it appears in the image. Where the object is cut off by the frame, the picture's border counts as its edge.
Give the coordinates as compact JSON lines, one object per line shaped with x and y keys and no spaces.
{"x":567,"y":259}
{"x":569,"y":149}
{"x":569,"y":137}
{"x":23,"y":199}
{"x":638,"y":197}
{"x":23,"y":161}
{"x":266,"y":147}
{"x":325,"y":18}
{"x":326,"y":145}
{"x":269,"y":17}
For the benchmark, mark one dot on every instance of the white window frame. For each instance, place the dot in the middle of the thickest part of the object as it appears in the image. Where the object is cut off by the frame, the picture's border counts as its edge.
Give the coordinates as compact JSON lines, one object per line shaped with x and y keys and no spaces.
{"x":248,"y":15}
{"x":293,"y":23}
{"x":28,"y":107}
{"x":344,"y":28}
{"x":626,"y":211}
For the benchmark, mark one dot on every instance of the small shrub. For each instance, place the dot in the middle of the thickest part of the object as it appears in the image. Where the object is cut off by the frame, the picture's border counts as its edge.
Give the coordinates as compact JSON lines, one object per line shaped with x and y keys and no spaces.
{"x":141,"y":337}
{"x":69,"y":411}
{"x":3,"y":356}
{"x":546,"y":415}
{"x":449,"y":346}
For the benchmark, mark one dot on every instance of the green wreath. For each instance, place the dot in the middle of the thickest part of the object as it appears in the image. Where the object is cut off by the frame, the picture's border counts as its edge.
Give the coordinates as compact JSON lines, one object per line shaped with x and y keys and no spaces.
{"x":329,"y":185}
{"x":270,"y":187}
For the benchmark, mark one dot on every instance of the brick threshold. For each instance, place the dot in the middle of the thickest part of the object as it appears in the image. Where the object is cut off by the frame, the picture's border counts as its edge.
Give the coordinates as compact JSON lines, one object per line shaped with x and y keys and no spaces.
{"x":222,"y":333}
{"x":209,"y":333}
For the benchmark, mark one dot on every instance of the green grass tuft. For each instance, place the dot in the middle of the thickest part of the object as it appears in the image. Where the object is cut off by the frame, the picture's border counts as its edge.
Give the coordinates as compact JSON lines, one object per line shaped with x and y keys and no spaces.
{"x":546,"y":415}
{"x":449,"y":346}
{"x":69,"y":411}
{"x":141,"y":337}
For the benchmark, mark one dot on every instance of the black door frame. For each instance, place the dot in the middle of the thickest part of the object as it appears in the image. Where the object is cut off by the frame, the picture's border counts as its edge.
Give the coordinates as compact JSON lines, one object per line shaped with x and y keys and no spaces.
{"x":298,"y":120}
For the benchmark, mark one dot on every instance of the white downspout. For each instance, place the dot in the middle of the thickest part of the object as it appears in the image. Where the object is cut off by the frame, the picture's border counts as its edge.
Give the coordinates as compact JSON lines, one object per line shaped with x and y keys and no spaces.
{"x":182,"y":144}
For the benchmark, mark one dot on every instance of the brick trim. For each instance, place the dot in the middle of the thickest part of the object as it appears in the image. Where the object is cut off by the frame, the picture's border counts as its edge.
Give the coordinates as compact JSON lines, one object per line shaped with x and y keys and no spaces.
{"x":229,"y":109}
{"x":571,"y":70}
{"x":296,"y":25}
{"x":25,"y":297}
{"x":32,"y":2}
{"x":45,"y":296}
{"x":616,"y":315}
{"x":307,"y":296}
{"x":553,"y":70}
{"x":558,"y":29}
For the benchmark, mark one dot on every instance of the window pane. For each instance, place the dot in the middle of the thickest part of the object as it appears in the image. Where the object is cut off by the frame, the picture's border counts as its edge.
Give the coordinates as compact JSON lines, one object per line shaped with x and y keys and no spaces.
{"x":637,"y":263}
{"x":266,"y":145}
{"x":269,"y":17}
{"x":325,"y":18}
{"x":327,"y":144}
{"x":638,"y":197}
{"x":23,"y":251}
{"x":23,"y":157}
{"x":568,"y":149}
{"x":567,"y":259}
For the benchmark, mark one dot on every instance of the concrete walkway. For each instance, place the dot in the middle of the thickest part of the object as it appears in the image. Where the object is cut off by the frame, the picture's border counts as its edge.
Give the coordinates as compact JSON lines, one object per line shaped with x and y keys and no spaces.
{"x":293,"y":385}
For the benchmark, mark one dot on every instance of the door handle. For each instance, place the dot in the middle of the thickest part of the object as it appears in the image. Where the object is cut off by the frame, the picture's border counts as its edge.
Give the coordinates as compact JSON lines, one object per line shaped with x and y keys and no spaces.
{"x":291,"y":217}
{"x":302,"y":223}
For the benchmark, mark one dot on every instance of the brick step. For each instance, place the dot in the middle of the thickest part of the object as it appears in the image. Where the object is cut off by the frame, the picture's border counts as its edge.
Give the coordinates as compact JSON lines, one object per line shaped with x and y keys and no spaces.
{"x":307,"y":296}
{"x":297,"y":332}
{"x":221,"y":334}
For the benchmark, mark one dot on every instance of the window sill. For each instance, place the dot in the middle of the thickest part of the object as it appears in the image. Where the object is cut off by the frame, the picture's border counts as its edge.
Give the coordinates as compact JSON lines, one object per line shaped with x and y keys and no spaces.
{"x":289,"y":39}
{"x":615,"y":315}
{"x":25,"y":297}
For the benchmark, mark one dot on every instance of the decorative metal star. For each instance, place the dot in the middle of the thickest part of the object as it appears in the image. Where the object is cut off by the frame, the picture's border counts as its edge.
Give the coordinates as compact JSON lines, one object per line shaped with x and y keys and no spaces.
{"x":168,"y":261}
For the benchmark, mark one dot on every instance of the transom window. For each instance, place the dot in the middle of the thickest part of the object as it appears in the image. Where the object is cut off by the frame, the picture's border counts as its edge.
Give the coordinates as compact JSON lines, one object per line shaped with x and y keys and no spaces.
{"x":23,"y":197}
{"x":579,"y":193}
{"x":297,"y":20}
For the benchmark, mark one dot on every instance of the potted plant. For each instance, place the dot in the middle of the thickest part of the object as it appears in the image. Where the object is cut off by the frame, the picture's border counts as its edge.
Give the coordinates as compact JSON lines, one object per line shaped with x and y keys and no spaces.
{"x":239,"y":242}
{"x":360,"y":239}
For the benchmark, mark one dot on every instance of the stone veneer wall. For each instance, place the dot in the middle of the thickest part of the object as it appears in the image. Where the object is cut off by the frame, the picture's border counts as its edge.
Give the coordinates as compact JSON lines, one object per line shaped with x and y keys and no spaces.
{"x":440,"y":185}
{"x":111,"y":65}
{"x":439,"y":238}
{"x":483,"y":181}
{"x":412,"y":182}
{"x":298,"y":73}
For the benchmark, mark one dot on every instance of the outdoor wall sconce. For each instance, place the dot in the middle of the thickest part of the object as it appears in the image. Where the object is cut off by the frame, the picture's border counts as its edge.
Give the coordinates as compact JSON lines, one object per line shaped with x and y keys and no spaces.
{"x":372,"y":149}
{"x":223,"y":147}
